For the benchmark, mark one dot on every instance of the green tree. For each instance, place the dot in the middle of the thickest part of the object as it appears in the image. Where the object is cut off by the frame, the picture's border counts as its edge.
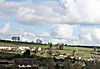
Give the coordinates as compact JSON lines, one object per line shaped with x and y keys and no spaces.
{"x":26,"y":53}
{"x":94,"y":47}
{"x":61,"y":46}
{"x":50,"y":49}
{"x":73,"y":52}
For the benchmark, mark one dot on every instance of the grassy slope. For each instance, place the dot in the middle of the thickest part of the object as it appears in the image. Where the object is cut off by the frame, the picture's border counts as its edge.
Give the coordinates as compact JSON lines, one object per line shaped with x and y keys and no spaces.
{"x":80,"y":51}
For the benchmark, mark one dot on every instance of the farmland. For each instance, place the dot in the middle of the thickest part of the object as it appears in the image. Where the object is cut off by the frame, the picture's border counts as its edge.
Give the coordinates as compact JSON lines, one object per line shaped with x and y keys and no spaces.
{"x":79,"y":51}
{"x":59,"y":56}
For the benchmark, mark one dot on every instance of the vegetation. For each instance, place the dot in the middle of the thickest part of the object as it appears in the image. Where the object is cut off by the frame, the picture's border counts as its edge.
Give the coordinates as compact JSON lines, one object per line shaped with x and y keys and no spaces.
{"x":58,"y":49}
{"x":53,"y":51}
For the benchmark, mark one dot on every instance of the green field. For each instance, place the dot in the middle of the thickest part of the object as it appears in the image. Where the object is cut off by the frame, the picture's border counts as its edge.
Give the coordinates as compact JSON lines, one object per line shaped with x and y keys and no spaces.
{"x":79,"y":51}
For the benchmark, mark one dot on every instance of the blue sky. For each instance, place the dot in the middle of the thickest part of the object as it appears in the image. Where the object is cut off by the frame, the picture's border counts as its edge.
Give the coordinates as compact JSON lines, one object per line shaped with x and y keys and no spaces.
{"x":57,"y":21}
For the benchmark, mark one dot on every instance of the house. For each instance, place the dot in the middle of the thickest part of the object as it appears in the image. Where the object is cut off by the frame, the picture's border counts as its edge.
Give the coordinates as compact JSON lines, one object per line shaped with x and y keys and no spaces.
{"x":30,"y":63}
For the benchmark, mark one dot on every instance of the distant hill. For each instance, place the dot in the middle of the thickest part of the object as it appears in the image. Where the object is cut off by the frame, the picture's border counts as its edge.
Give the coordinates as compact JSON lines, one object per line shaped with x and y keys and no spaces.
{"x":18,"y":42}
{"x":3,"y":42}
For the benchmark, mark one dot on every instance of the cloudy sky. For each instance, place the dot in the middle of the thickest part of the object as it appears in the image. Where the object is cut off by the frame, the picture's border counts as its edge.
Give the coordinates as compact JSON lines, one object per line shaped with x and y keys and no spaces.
{"x":57,"y":21}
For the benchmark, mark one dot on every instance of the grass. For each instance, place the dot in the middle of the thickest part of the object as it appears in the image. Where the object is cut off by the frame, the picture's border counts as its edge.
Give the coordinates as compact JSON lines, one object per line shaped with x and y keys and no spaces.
{"x":7,"y":55}
{"x":79,"y":51}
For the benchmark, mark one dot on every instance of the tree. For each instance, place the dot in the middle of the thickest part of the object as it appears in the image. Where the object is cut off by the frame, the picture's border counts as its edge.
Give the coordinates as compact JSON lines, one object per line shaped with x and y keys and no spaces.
{"x":26,"y":53}
{"x":94,"y":47}
{"x":18,"y":38}
{"x":38,"y":41}
{"x":15,"y":38}
{"x":50,"y":49}
{"x":73,"y":52}
{"x":50,"y":45}
{"x":61,"y":46}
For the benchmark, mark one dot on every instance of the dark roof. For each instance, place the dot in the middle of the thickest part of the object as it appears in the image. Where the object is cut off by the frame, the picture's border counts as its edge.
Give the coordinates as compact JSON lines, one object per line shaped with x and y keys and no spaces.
{"x":24,"y":60}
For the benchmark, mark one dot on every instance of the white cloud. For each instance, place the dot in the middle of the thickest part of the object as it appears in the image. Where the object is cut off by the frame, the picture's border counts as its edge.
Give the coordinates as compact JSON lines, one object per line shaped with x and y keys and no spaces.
{"x":82,"y":11}
{"x":77,"y":12}
{"x":43,"y":35}
{"x":26,"y":36}
{"x":41,"y":15}
{"x":33,"y":13}
{"x":63,"y":31}
{"x":50,"y":12}
{"x":55,"y":41}
{"x":5,"y":28}
{"x":96,"y":35}
{"x":90,"y":36}
{"x":86,"y":34}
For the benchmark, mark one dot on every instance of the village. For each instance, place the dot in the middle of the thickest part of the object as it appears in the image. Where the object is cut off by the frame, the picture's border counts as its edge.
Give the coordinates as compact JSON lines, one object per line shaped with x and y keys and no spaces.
{"x":45,"y":58}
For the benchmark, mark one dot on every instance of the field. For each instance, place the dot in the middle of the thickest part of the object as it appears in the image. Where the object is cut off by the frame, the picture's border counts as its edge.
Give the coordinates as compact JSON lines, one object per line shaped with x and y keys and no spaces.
{"x":79,"y":51}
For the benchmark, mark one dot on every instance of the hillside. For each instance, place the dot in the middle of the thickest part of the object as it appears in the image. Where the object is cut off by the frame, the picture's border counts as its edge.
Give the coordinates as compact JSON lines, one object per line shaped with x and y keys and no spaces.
{"x":85,"y":51}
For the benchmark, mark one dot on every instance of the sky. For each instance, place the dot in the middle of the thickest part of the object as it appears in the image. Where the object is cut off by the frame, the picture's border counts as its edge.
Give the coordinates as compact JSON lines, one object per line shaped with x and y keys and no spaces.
{"x":58,"y":21}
